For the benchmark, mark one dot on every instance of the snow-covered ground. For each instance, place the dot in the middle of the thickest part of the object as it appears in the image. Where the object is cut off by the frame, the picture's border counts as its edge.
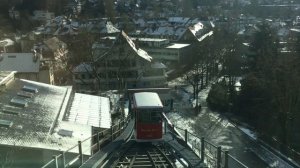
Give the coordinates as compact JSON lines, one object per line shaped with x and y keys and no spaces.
{"x":241,"y":142}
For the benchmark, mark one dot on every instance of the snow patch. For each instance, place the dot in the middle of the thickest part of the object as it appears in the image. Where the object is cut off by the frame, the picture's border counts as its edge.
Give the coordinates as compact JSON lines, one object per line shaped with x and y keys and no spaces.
{"x":248,"y":132}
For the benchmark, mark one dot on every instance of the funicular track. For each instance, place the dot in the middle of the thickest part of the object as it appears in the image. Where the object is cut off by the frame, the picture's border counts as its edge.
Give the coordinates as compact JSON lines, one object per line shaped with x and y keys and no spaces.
{"x":142,"y":155}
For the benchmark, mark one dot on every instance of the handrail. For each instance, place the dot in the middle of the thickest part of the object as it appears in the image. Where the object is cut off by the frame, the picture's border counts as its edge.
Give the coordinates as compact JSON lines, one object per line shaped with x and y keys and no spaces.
{"x":208,"y":152}
{"x":114,"y":130}
{"x":239,"y":162}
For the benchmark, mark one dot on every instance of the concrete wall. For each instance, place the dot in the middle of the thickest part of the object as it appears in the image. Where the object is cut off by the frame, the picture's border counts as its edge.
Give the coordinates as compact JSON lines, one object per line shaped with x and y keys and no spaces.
{"x":28,"y":76}
{"x":44,"y":77}
{"x":23,"y":157}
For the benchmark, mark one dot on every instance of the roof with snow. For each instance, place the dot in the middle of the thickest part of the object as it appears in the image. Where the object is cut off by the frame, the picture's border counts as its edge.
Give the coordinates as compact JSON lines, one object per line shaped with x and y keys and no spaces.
{"x":205,"y":36}
{"x":295,"y":30}
{"x":6,"y":76}
{"x":178,"y":46}
{"x":147,"y":99}
{"x":140,"y":52}
{"x":90,"y":110}
{"x":21,"y":62}
{"x":197,"y":31}
{"x":196,"y":28}
{"x":83,"y":67}
{"x":6,"y":42}
{"x":158,"y":65}
{"x":34,"y":117}
{"x":109,"y":28}
{"x":32,"y":114}
{"x":181,"y":20}
{"x":168,"y":30}
{"x":54,"y":43}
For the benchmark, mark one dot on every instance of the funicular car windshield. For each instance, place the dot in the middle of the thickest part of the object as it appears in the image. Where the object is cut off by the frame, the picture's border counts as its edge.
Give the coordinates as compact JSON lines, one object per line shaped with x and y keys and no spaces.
{"x":149,"y":115}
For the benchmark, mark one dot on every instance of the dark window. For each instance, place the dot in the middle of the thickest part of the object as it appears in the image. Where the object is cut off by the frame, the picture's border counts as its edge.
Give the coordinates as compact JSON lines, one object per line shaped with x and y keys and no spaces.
{"x":149,"y":115}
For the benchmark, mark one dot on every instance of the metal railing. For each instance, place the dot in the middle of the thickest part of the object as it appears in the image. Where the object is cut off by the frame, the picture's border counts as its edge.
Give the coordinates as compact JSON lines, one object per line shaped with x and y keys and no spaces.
{"x":75,"y":157}
{"x":214,"y":156}
{"x":209,"y":153}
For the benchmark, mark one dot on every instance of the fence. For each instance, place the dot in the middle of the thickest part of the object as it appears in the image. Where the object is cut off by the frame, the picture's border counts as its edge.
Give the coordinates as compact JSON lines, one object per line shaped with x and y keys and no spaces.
{"x":71,"y":158}
{"x":209,"y":153}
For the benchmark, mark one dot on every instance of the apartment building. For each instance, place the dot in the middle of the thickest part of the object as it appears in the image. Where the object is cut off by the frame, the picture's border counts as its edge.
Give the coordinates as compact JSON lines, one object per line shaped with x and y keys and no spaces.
{"x":120,"y":63}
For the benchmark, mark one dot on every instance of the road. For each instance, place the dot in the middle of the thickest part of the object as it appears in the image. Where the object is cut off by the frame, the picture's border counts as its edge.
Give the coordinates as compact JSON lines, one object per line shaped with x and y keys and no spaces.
{"x":217,"y":129}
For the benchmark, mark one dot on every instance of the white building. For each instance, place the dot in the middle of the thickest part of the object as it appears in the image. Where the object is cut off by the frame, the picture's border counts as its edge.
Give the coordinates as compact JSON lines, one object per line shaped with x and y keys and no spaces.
{"x":39,"y":120}
{"x":28,"y":67}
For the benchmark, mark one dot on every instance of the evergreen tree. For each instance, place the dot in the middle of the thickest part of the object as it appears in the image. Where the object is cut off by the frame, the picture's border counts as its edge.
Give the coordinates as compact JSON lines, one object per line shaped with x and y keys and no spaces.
{"x":270,"y":92}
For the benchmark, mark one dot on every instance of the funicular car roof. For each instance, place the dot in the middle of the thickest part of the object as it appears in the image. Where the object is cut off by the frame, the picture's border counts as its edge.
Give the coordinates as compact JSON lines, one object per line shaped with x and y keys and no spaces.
{"x":147,"y":100}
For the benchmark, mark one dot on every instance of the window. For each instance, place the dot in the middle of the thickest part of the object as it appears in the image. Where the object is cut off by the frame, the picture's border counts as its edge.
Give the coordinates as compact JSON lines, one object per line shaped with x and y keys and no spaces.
{"x":6,"y":123}
{"x":19,"y":102}
{"x":149,"y":115}
{"x":133,"y":63}
{"x":30,"y":89}
{"x":25,"y":94}
{"x":10,"y":111}
{"x":82,"y":76}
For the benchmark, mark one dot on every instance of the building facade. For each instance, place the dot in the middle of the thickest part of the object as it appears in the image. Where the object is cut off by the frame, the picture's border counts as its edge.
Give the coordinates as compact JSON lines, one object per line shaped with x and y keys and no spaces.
{"x":28,"y":66}
{"x":121,"y":64}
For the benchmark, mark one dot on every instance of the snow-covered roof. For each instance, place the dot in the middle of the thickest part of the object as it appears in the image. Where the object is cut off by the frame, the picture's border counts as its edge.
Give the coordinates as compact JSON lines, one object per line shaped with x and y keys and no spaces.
{"x":147,"y":99}
{"x":35,"y":122}
{"x":178,"y":46}
{"x":6,"y":42}
{"x":83,"y":67}
{"x":205,"y":35}
{"x":5,"y":76}
{"x":212,"y":24}
{"x":140,"y":52}
{"x":164,"y":31}
{"x":194,"y":21}
{"x":180,"y":31}
{"x":90,"y":110}
{"x":150,"y":39}
{"x":283,"y":31}
{"x":109,"y":28}
{"x":295,"y":30}
{"x":196,"y":28}
{"x":66,"y":30}
{"x":139,"y":21}
{"x":54,"y":43}
{"x":242,"y":31}
{"x":158,"y":65}
{"x":181,"y":20}
{"x":21,"y":62}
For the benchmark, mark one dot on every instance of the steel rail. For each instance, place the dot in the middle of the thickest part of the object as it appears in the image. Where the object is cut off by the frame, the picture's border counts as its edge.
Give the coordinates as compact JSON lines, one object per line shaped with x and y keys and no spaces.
{"x":166,"y":157}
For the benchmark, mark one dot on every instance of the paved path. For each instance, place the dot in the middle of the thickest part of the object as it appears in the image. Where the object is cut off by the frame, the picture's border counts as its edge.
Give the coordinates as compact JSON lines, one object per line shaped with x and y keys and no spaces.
{"x":218,"y":130}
